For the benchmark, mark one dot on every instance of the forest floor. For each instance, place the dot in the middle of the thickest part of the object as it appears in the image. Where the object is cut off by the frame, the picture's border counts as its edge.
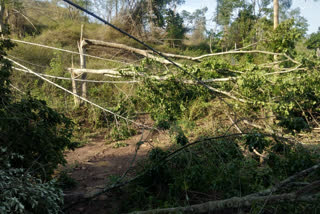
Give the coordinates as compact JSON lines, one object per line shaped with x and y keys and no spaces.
{"x":95,"y":164}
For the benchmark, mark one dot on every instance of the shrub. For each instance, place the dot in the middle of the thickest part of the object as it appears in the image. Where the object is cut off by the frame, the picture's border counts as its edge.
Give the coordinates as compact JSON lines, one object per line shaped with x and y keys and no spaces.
{"x":214,"y":169}
{"x":36,"y":132}
{"x":20,"y":192}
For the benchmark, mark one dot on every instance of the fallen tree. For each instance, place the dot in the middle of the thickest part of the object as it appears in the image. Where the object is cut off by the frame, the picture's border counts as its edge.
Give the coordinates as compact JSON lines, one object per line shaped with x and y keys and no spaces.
{"x":236,"y":202}
{"x":145,"y":53}
{"x":309,"y":193}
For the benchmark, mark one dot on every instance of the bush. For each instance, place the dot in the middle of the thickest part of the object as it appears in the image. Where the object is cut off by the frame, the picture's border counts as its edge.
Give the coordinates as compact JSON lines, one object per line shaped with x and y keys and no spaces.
{"x":214,"y":169}
{"x":20,"y":192}
{"x":36,"y":132}
{"x":30,"y":128}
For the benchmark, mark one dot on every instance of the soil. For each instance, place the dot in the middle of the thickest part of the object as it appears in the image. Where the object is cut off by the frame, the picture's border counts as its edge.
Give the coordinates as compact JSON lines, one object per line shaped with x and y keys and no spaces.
{"x":92,"y":166}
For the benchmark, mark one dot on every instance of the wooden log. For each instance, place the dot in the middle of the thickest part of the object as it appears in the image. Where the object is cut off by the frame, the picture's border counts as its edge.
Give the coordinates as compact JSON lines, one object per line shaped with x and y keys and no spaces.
{"x":141,"y":52}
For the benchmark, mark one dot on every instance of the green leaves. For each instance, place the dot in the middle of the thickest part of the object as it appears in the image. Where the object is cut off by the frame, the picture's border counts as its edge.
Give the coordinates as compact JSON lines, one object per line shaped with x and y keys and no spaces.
{"x":38,"y":133}
{"x":284,"y":38}
{"x":314,"y":41}
{"x":22,"y":193}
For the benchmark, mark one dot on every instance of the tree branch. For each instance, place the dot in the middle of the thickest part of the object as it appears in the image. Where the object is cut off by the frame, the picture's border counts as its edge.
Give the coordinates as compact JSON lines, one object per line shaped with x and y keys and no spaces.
{"x":235,"y":202}
{"x":141,"y":52}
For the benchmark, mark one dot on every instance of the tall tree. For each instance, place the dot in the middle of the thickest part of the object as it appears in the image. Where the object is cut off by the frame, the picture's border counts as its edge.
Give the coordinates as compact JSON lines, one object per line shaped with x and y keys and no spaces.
{"x":197,"y":19}
{"x":2,"y":24}
{"x":174,"y":28}
{"x":275,"y":14}
{"x":314,"y":42}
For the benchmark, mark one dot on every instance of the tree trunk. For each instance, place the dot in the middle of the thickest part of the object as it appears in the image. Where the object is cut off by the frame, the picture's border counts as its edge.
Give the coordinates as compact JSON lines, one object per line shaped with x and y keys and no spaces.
{"x":82,"y":52}
{"x":275,"y":18}
{"x":141,"y":52}
{"x":150,"y":8}
{"x":2,"y":9}
{"x":116,"y":6}
{"x":275,"y":13}
{"x":74,"y":89}
{"x":74,"y":86}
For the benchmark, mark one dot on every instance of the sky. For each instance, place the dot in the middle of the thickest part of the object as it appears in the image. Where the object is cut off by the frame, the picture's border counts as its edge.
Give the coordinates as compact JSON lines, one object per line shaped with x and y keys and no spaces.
{"x":309,"y":9}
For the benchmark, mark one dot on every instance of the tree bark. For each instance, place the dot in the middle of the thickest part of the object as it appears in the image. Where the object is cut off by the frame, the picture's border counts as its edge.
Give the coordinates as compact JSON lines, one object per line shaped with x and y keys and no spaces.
{"x":232,"y":203}
{"x":275,"y":19}
{"x":275,"y":13}
{"x":74,"y":86}
{"x":141,"y":52}
{"x":2,"y":9}
{"x":82,"y":52}
{"x":74,"y":90}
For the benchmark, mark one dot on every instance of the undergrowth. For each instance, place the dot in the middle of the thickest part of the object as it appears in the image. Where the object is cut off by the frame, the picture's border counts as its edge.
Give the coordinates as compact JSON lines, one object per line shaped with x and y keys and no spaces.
{"x":215,"y":170}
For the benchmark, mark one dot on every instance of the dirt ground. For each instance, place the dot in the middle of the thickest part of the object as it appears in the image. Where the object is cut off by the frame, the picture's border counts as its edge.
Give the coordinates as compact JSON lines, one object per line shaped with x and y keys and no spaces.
{"x":93,"y":165}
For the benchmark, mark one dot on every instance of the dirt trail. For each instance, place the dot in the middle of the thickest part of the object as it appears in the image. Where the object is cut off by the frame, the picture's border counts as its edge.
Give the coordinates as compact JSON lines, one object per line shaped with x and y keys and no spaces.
{"x":93,"y":165}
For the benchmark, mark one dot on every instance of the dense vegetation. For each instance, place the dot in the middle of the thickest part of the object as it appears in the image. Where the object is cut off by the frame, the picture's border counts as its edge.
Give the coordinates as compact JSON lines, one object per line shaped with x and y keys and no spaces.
{"x":241,"y":106}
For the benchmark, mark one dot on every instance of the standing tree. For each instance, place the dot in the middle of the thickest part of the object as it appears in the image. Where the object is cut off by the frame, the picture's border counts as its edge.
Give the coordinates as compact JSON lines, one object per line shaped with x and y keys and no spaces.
{"x":198,"y":21}
{"x":174,"y":28}
{"x":275,"y":14}
{"x":314,"y":42}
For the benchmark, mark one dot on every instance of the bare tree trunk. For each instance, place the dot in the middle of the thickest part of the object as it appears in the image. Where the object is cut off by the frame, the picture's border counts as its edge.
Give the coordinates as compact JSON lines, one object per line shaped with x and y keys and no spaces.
{"x":82,"y":52}
{"x":74,"y":90}
{"x":141,"y":52}
{"x":210,"y":42}
{"x":275,"y":13}
{"x":74,"y":87}
{"x":2,"y":9}
{"x":275,"y":18}
{"x":117,"y":7}
{"x":151,"y":17}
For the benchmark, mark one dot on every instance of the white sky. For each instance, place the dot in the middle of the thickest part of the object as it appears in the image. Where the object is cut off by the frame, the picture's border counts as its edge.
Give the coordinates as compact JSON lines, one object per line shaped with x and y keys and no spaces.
{"x":309,"y":9}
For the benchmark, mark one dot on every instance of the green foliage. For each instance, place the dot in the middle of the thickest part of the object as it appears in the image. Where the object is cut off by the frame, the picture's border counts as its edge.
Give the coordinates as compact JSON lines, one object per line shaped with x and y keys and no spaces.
{"x":4,"y":70}
{"x":253,"y":84}
{"x":216,"y":168}
{"x":177,"y":135}
{"x":20,"y":192}
{"x":66,"y":182}
{"x":285,"y":160}
{"x":161,"y":98}
{"x":57,"y":68}
{"x":119,"y":145}
{"x":224,"y":10}
{"x":29,"y":128}
{"x":199,"y":109}
{"x":175,"y":29}
{"x":238,"y":32}
{"x":256,"y":141}
{"x":121,"y":131}
{"x":284,"y":37}
{"x":314,"y":41}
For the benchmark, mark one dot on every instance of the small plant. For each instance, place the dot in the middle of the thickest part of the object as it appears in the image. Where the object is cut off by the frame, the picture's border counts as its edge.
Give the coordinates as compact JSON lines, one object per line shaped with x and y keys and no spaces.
{"x":178,"y":136}
{"x":20,"y":192}
{"x":215,"y":168}
{"x":119,"y":145}
{"x":121,"y":132}
{"x":65,"y":181}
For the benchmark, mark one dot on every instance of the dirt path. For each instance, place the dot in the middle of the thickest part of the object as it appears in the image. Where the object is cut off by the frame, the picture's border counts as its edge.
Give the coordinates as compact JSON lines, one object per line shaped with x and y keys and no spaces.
{"x":93,"y":165}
